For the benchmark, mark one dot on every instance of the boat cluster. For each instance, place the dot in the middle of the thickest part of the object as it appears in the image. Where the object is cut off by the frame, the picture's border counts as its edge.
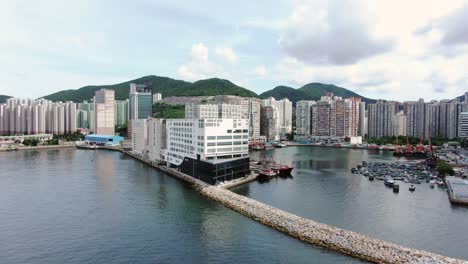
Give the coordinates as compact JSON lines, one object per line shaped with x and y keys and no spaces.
{"x":391,"y":172}
{"x":268,"y":169}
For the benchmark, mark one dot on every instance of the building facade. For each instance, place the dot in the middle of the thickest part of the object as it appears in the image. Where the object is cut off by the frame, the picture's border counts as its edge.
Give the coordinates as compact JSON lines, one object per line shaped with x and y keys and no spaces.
{"x":381,"y":119}
{"x":139,"y":137}
{"x":241,"y":109}
{"x":212,"y":150}
{"x":104,"y":112}
{"x":463,"y":125}
{"x":140,"y":101}
{"x":303,"y":117}
{"x":283,"y":114}
{"x":31,"y":117}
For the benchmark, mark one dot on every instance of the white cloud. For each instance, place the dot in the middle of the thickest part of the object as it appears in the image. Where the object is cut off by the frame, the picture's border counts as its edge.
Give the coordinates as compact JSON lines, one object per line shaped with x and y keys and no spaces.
{"x":227,"y":54}
{"x":260,"y":71}
{"x":335,"y":33}
{"x":200,"y":67}
{"x":199,"y":52}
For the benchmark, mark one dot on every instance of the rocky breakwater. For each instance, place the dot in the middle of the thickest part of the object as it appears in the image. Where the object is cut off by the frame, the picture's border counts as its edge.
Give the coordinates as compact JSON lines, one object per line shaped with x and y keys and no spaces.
{"x":340,"y":240}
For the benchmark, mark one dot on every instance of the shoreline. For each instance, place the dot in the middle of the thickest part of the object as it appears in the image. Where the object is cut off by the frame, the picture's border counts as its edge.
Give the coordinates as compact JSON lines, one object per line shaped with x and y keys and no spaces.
{"x":37,"y":147}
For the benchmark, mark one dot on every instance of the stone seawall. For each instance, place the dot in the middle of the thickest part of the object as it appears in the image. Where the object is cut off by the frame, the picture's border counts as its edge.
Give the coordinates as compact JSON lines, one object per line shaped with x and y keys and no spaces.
{"x":340,"y":240}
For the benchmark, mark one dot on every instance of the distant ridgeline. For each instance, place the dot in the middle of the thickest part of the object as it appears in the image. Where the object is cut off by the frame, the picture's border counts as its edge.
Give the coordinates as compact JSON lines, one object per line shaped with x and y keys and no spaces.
{"x":210,"y":87}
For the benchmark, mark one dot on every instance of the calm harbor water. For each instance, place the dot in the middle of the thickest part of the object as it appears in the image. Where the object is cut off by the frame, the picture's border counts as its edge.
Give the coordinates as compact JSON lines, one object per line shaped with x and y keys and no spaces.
{"x":81,"y":206}
{"x":324,"y":190}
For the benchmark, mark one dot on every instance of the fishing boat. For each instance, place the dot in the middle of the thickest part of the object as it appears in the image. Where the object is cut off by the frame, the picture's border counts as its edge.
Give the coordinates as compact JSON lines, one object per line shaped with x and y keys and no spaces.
{"x":388,"y":181}
{"x":371,"y":178}
{"x":409,"y":151}
{"x":396,"y":188}
{"x":266,"y":174}
{"x":280,"y":145}
{"x":284,"y":170}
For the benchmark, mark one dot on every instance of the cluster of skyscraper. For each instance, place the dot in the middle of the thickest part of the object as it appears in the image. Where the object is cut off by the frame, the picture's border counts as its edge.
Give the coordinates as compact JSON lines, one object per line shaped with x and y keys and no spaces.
{"x":416,"y":119}
{"x":331,"y":116}
{"x":100,"y":116}
{"x":28,"y":117}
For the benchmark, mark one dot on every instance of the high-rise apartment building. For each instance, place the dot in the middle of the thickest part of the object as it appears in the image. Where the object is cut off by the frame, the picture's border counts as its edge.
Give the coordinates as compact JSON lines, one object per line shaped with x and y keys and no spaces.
{"x":400,"y":124}
{"x":104,"y":112}
{"x":381,"y":119}
{"x":334,"y":116}
{"x":283,"y":110}
{"x":28,"y":117}
{"x":240,"y":109}
{"x":321,"y":118}
{"x":415,"y":118}
{"x":269,"y":123}
{"x":362,"y":130}
{"x":463,"y":124}
{"x":303,"y":117}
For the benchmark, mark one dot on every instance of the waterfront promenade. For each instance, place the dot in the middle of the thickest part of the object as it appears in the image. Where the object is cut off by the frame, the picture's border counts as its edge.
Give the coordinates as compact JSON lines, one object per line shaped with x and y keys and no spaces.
{"x":340,"y":240}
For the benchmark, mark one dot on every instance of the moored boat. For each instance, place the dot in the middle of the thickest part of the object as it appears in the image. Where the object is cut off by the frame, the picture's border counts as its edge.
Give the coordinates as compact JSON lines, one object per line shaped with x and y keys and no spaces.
{"x":284,"y":170}
{"x":388,"y":181}
{"x":266,"y":174}
{"x":280,"y":145}
{"x":412,"y":188}
{"x":396,"y":188}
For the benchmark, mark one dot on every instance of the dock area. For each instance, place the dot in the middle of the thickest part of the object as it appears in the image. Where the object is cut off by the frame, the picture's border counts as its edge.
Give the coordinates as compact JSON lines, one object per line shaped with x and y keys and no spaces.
{"x":457,"y":189}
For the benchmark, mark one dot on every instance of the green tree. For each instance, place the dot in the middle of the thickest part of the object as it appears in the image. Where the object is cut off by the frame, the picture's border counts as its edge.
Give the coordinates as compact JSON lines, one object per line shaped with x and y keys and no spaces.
{"x":444,"y":168}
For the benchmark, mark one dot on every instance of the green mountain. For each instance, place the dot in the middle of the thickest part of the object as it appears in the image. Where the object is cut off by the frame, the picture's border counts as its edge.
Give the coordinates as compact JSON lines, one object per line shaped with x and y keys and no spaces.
{"x":280,"y":92}
{"x":158,"y":84}
{"x":3,"y":98}
{"x":166,"y":86}
{"x":213,"y":86}
{"x":209,"y":87}
{"x":311,"y":91}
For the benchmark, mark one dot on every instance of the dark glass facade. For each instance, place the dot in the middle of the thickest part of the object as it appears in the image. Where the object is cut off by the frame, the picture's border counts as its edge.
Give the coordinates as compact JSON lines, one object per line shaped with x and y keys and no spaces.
{"x":216,"y":172}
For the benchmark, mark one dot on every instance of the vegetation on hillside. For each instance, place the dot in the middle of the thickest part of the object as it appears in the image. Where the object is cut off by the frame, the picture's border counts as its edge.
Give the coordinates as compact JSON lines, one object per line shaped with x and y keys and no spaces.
{"x":311,"y":91}
{"x":211,"y":87}
{"x":161,"y":110}
{"x":166,"y":86}
{"x":158,"y":85}
{"x":3,"y":98}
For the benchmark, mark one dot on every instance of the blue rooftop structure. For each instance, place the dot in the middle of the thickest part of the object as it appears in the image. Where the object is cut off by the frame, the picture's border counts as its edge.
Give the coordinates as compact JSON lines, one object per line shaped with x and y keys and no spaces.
{"x":103,"y":140}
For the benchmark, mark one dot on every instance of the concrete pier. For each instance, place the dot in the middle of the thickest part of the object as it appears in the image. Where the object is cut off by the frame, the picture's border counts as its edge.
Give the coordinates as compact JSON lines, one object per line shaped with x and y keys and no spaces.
{"x":340,"y":240}
{"x":457,"y":190}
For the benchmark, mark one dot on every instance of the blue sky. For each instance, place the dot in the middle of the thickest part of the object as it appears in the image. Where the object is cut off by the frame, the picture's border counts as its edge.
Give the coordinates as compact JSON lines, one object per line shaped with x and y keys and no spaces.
{"x":380,"y":49}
